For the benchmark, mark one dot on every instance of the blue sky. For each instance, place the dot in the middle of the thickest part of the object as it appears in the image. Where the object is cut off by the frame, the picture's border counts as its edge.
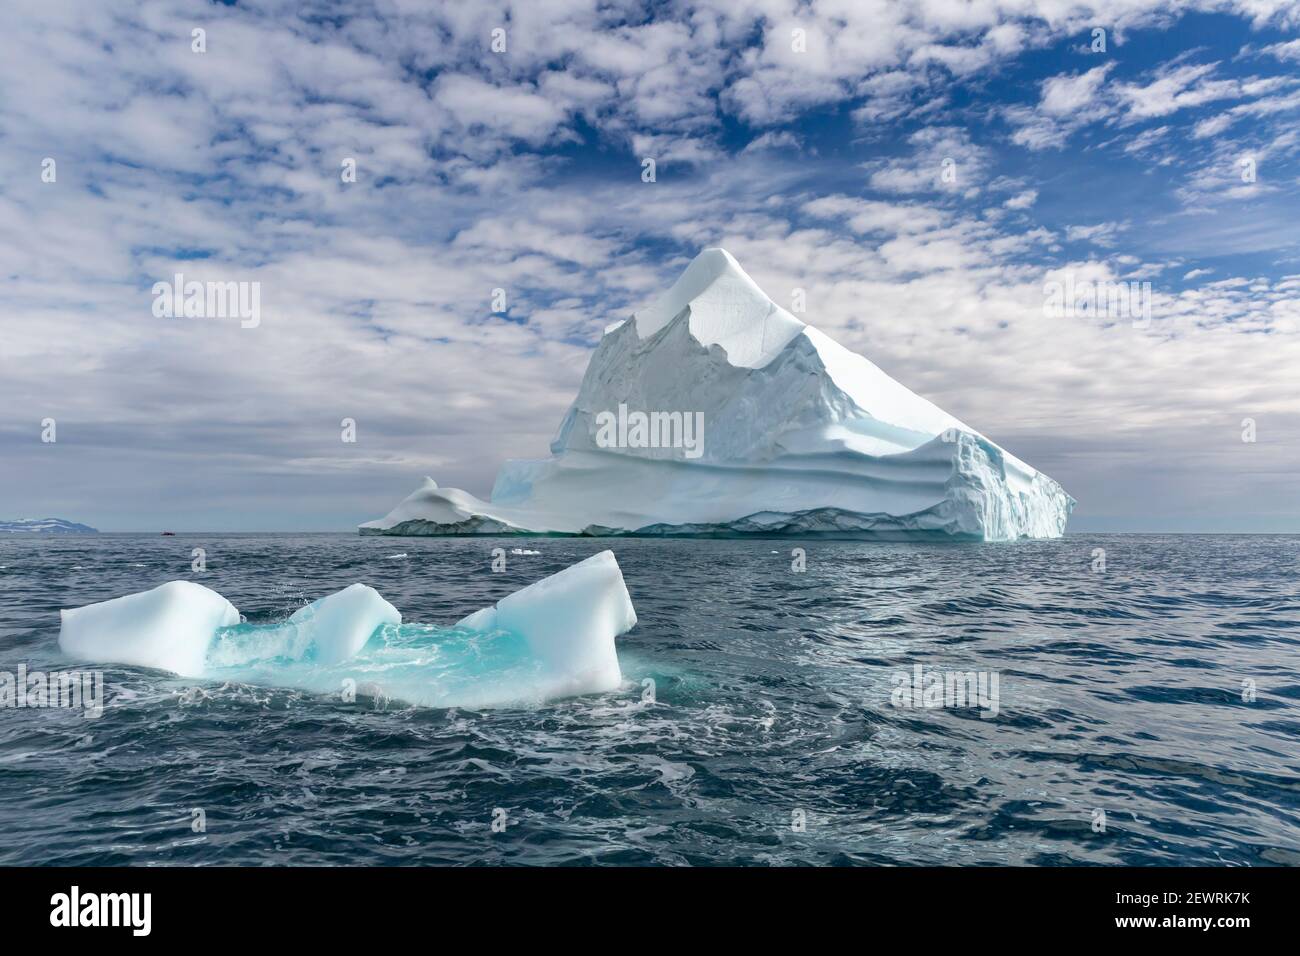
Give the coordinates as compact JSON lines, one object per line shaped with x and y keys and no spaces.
{"x":819,"y":168}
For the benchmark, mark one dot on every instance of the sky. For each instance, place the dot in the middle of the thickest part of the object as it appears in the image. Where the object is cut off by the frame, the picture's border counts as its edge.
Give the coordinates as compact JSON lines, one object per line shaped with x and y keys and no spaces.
{"x":922,"y":170}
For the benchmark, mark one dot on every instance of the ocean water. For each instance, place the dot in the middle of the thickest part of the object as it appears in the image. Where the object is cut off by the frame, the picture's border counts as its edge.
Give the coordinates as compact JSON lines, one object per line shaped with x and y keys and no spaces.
{"x":1146,"y":713}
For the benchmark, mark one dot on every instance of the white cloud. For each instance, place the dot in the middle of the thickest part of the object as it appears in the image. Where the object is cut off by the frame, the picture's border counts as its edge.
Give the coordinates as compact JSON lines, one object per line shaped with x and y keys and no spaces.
{"x":517,"y":111}
{"x":1174,"y":88}
{"x":943,"y":159}
{"x":1022,"y":200}
{"x":1066,"y":103}
{"x":1068,"y":94}
{"x":1148,"y":139}
{"x":773,"y":139}
{"x":1212,"y":126}
{"x":866,"y":216}
{"x":1290,"y":50}
{"x":1099,"y":234}
{"x":377,"y":294}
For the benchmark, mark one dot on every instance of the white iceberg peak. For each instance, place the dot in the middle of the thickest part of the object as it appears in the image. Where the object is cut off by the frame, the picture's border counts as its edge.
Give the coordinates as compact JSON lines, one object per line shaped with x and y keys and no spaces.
{"x":727,"y":308}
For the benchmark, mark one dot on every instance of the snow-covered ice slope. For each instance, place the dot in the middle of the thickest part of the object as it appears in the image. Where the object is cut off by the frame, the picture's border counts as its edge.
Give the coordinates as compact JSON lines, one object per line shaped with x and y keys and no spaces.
{"x":777,"y":428}
{"x":553,"y":638}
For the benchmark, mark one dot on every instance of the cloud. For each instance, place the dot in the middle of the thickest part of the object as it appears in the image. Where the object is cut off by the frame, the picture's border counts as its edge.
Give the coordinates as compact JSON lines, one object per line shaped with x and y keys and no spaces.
{"x":942,"y":159}
{"x":1212,"y":126}
{"x":867,"y":217}
{"x":773,"y":139}
{"x":1173,"y":89}
{"x":1147,"y":140}
{"x":520,"y":171}
{"x":1264,"y":107}
{"x":1067,"y":94}
{"x":1288,"y":51}
{"x":1100,"y":234}
{"x":1066,"y":103}
{"x":518,"y":112}
{"x":1022,"y":200}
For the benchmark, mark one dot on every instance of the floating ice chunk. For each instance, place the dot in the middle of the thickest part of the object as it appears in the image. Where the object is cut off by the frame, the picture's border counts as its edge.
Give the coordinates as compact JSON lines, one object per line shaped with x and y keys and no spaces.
{"x":340,"y":624}
{"x":569,"y":621}
{"x":554,"y":638}
{"x":170,"y":628}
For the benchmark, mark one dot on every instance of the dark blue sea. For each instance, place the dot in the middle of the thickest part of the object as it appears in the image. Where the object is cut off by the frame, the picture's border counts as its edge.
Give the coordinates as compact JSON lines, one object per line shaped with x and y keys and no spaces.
{"x":1147,"y":713}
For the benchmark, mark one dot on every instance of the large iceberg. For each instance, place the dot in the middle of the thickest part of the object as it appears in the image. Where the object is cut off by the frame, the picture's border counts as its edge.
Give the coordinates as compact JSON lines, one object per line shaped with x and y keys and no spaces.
{"x":551,"y":639}
{"x":717,"y":412}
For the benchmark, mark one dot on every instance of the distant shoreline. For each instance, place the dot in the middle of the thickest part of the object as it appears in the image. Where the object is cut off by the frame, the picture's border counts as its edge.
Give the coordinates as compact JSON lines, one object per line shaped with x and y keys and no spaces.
{"x":54,"y":526}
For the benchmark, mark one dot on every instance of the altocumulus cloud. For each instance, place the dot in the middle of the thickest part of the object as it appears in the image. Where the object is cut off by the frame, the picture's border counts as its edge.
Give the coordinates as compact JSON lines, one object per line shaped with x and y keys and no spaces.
{"x":809,"y":139}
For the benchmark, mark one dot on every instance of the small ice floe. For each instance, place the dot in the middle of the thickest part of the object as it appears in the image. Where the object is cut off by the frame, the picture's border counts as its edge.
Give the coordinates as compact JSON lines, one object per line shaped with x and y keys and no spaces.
{"x":523,"y":551}
{"x":551,"y":639}
{"x":394,"y":557}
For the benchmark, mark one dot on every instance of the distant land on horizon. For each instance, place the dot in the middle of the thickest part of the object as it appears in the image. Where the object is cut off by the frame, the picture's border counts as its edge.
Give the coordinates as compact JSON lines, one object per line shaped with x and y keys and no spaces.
{"x":73,"y":528}
{"x":45,"y":526}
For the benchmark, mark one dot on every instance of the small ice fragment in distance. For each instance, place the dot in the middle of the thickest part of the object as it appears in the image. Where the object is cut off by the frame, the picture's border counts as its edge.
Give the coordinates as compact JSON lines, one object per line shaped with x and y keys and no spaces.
{"x":523,"y":551}
{"x":391,"y":557}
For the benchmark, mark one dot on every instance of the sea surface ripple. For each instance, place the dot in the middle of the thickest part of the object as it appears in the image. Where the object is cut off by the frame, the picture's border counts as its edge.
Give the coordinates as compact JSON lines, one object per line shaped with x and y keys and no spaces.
{"x":755,"y":726}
